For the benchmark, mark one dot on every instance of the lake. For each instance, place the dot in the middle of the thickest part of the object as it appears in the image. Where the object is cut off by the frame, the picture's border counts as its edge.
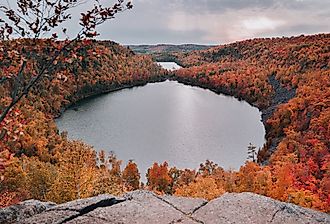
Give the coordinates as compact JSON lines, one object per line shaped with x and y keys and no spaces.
{"x":169,"y":65}
{"x":167,"y":121}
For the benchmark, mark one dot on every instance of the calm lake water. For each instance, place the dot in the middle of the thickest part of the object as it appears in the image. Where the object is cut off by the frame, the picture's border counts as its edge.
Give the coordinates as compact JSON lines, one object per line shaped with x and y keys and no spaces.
{"x":169,"y":65}
{"x":167,"y":121}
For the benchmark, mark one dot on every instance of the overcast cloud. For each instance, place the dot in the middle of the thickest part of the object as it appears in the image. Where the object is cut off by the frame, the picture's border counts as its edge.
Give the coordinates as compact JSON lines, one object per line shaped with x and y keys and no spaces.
{"x":214,"y":21}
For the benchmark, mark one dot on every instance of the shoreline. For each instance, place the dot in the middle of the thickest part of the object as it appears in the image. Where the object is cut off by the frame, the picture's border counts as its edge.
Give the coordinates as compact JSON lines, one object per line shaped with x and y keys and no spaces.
{"x":105,"y":89}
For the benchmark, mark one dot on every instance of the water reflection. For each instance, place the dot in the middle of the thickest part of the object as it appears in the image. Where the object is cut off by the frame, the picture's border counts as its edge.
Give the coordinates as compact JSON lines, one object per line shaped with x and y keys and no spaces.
{"x":167,"y":122}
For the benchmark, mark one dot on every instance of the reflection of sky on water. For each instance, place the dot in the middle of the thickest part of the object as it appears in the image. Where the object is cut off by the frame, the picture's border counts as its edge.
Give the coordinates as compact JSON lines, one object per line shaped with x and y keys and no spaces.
{"x":167,"y":122}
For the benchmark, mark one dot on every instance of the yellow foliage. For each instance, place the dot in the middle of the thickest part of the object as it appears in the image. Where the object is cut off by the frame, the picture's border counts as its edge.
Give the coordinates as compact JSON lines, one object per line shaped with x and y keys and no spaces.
{"x":76,"y":173}
{"x":202,"y":187}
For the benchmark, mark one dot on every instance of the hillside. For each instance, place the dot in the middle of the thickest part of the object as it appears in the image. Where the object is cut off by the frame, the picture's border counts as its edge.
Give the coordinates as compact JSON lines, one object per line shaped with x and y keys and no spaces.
{"x":166,"y":52}
{"x":256,"y":70}
{"x":146,"y":207}
{"x":32,"y":148}
{"x":166,"y":48}
{"x":288,"y":79}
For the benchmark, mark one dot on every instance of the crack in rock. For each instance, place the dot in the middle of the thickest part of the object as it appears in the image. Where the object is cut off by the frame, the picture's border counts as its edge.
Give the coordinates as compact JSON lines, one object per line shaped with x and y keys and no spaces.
{"x":179,"y":210}
{"x":100,"y":204}
{"x":199,"y":207}
{"x":277,"y":211}
{"x":176,"y":221}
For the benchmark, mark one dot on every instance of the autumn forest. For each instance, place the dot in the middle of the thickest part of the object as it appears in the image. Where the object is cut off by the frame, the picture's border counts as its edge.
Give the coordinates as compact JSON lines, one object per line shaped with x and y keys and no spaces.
{"x":287,"y":79}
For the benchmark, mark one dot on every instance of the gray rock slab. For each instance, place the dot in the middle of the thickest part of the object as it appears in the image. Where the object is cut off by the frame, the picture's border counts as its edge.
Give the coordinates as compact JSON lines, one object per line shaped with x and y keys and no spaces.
{"x":23,"y":210}
{"x":251,"y":208}
{"x":88,"y":220}
{"x":140,"y":207}
{"x":80,"y":204}
{"x":50,"y":217}
{"x":94,"y":220}
{"x":71,"y":210}
{"x":145,"y":207}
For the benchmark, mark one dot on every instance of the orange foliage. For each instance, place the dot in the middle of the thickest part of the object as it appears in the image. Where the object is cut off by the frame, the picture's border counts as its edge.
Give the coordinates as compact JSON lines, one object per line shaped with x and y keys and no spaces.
{"x":131,"y":176}
{"x":159,"y":178}
{"x":298,"y":130}
{"x":87,"y":68}
{"x":298,"y":126}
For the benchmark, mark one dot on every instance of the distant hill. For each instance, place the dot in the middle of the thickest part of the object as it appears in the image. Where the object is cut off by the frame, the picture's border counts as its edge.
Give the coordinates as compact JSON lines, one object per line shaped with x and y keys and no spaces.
{"x":167,"y":52}
{"x":162,"y":48}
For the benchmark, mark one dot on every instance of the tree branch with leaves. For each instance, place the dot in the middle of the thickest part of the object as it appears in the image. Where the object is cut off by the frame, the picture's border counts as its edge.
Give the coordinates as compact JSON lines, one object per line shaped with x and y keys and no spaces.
{"x":36,"y":19}
{"x":23,"y":67}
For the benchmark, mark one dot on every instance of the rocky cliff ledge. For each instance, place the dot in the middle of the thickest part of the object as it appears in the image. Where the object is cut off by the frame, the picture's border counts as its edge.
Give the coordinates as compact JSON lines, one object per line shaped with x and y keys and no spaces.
{"x":146,"y":207}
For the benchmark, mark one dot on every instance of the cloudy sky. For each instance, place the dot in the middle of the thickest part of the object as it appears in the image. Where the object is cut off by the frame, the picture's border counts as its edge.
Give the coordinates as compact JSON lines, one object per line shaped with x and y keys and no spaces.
{"x":214,"y":21}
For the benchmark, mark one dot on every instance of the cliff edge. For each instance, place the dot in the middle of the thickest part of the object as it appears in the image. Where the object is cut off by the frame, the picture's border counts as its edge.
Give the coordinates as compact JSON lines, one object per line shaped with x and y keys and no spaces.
{"x":147,"y":207}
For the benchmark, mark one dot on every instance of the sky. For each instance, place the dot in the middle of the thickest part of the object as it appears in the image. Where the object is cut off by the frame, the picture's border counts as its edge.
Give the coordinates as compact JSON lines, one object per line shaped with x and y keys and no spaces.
{"x":211,"y":21}
{"x":216,"y":21}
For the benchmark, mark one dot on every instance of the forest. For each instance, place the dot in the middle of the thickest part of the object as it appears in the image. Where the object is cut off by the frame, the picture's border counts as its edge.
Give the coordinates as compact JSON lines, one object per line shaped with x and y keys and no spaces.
{"x":166,"y":52}
{"x":36,"y":161}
